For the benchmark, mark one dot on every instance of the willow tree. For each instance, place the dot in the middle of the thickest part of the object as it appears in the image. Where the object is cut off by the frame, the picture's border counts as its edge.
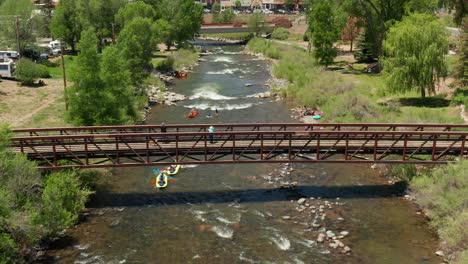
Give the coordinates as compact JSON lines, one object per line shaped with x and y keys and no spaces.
{"x":415,"y":54}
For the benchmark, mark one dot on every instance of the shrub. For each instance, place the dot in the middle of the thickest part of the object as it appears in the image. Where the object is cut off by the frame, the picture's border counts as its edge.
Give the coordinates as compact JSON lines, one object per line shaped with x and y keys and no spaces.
{"x":27,"y":71}
{"x":166,"y":65}
{"x":226,"y":16}
{"x":62,"y":200}
{"x":443,"y":194}
{"x":8,"y":248}
{"x":280,"y":33}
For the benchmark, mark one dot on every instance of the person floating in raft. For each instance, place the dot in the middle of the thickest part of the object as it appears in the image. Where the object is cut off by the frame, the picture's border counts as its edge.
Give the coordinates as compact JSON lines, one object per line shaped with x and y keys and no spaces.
{"x":161,"y":181}
{"x":172,"y":168}
{"x":193,"y":113}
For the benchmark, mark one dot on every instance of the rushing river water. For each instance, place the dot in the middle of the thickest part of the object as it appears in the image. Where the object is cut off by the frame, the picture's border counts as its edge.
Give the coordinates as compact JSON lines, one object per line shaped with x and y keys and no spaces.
{"x":243,"y":213}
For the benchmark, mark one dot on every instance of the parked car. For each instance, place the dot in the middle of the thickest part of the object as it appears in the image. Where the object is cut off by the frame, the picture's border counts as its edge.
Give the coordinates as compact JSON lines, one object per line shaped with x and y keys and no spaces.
{"x":206,"y":11}
{"x":267,"y":11}
{"x":280,"y":11}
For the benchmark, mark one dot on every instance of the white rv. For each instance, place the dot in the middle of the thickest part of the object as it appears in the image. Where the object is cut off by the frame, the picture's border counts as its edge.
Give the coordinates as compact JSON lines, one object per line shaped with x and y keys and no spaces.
{"x":9,"y":53}
{"x":7,"y":67}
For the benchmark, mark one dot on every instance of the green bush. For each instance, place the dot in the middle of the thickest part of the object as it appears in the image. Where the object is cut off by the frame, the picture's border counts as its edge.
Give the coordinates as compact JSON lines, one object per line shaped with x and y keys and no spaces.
{"x":8,"y":249}
{"x":280,"y":33}
{"x":226,"y":16}
{"x":62,"y":200}
{"x":443,"y":194}
{"x":27,"y":71}
{"x":166,"y":65}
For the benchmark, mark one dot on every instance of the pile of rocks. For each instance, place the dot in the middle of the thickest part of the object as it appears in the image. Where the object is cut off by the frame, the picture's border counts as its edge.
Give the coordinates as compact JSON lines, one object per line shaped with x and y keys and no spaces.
{"x":235,"y":41}
{"x":168,"y":98}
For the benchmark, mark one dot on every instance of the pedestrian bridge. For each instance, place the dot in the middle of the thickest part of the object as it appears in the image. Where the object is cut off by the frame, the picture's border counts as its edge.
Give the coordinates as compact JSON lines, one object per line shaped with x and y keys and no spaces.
{"x":145,"y":145}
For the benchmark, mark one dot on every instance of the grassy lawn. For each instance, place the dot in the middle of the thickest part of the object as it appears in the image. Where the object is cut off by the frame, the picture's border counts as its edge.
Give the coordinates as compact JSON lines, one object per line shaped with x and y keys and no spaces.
{"x":349,"y":94}
{"x":56,"y":70}
{"x":51,"y":116}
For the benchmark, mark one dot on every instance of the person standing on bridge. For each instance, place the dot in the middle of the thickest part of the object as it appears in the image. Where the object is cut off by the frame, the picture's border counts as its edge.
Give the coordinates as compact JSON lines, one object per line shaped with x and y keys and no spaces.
{"x":163,"y":130}
{"x":211,"y":130}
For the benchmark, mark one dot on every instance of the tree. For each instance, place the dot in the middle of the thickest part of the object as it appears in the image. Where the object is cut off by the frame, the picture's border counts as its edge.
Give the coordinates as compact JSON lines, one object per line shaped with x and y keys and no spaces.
{"x":216,"y":9}
{"x":184,"y":17}
{"x":136,"y":43}
{"x":460,"y":7}
{"x":366,"y":51}
{"x":119,"y":106}
{"x":134,"y":10}
{"x":324,"y":29}
{"x":238,"y":4}
{"x":83,"y":96}
{"x":461,"y":68}
{"x":256,"y":23}
{"x":65,"y":24}
{"x":17,"y":24}
{"x":415,"y":54}
{"x":350,"y":31}
{"x":289,"y":4}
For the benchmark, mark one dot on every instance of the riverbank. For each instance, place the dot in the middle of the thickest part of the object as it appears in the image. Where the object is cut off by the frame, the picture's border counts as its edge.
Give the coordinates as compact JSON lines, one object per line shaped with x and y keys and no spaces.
{"x":346,"y":94}
{"x":442,"y":194}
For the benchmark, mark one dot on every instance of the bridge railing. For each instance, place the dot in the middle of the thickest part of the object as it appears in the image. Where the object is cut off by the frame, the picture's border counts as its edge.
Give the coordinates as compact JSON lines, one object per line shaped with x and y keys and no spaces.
{"x":242,"y":146}
{"x":237,"y":127}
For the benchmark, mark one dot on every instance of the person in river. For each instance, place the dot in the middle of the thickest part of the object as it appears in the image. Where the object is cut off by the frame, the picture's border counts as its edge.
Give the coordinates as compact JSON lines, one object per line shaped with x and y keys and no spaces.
{"x":161,"y":180}
{"x":216,"y":112}
{"x":211,"y":130}
{"x":209,"y":115}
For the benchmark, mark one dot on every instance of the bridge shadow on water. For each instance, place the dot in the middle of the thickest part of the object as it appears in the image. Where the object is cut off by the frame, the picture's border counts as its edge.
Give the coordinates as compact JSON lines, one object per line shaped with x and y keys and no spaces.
{"x":163,"y":198}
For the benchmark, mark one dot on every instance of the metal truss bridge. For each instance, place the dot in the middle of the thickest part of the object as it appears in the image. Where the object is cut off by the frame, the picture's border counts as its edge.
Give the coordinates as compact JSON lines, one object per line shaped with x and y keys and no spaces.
{"x":145,"y":145}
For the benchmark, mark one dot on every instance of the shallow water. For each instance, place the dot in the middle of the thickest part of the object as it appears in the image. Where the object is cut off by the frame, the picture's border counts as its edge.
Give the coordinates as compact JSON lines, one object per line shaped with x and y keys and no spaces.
{"x":234,"y":213}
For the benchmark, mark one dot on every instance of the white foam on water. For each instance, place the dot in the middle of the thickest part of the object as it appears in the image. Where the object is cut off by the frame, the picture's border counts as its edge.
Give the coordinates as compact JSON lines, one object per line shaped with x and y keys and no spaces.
{"x":225,"y":71}
{"x":306,"y":242}
{"x":281,"y":242}
{"x":222,"y":231}
{"x":198,"y":215}
{"x":82,"y":247}
{"x":224,"y":220}
{"x":297,"y":260}
{"x":190,"y":166}
{"x":259,"y":213}
{"x":241,"y":257}
{"x":223,"y":59}
{"x":205,"y":106}
{"x":209,"y":91}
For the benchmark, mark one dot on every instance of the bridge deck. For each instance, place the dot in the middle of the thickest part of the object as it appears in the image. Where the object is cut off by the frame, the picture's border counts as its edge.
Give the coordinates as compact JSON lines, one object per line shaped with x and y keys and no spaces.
{"x":242,"y":144}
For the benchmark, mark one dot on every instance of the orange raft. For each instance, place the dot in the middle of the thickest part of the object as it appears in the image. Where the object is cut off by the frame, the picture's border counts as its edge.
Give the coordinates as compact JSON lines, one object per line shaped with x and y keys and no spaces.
{"x":192,"y":114}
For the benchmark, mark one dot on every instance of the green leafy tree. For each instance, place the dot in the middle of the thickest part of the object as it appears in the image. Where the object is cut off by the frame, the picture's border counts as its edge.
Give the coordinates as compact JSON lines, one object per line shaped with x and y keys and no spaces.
{"x":12,"y":11}
{"x":134,"y":10}
{"x":119,"y":106}
{"x":415,"y":54}
{"x":184,"y":17}
{"x":238,"y":4}
{"x":256,"y":24}
{"x":216,"y":9}
{"x":366,"y":51}
{"x":290,"y":4}
{"x":136,"y":43}
{"x":65,"y":23}
{"x":325,"y":30}
{"x":461,"y":68}
{"x":62,"y":200}
{"x":226,"y":16}
{"x":83,"y":95}
{"x":460,"y":7}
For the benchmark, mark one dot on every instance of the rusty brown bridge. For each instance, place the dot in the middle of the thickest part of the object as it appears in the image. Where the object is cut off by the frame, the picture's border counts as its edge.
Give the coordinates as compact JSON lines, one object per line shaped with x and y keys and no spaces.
{"x":145,"y":145}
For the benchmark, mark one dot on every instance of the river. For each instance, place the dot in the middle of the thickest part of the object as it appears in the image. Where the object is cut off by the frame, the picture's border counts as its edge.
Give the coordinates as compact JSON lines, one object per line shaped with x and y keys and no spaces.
{"x":244,"y":213}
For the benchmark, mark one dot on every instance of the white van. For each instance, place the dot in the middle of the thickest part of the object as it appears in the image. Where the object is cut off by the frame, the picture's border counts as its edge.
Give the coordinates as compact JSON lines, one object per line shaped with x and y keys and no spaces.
{"x":7,"y":67}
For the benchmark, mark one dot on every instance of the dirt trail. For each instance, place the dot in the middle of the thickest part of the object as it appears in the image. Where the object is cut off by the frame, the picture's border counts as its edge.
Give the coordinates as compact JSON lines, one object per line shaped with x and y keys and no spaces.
{"x":19,"y":104}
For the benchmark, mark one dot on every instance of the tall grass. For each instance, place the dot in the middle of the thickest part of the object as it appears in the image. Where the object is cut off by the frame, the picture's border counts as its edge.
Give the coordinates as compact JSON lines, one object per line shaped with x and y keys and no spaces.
{"x":443,"y":194}
{"x":345,"y":98}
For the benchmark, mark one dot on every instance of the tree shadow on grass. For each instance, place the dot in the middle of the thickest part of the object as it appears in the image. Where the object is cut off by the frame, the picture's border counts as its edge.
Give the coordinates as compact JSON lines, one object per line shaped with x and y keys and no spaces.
{"x":431,"y":102}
